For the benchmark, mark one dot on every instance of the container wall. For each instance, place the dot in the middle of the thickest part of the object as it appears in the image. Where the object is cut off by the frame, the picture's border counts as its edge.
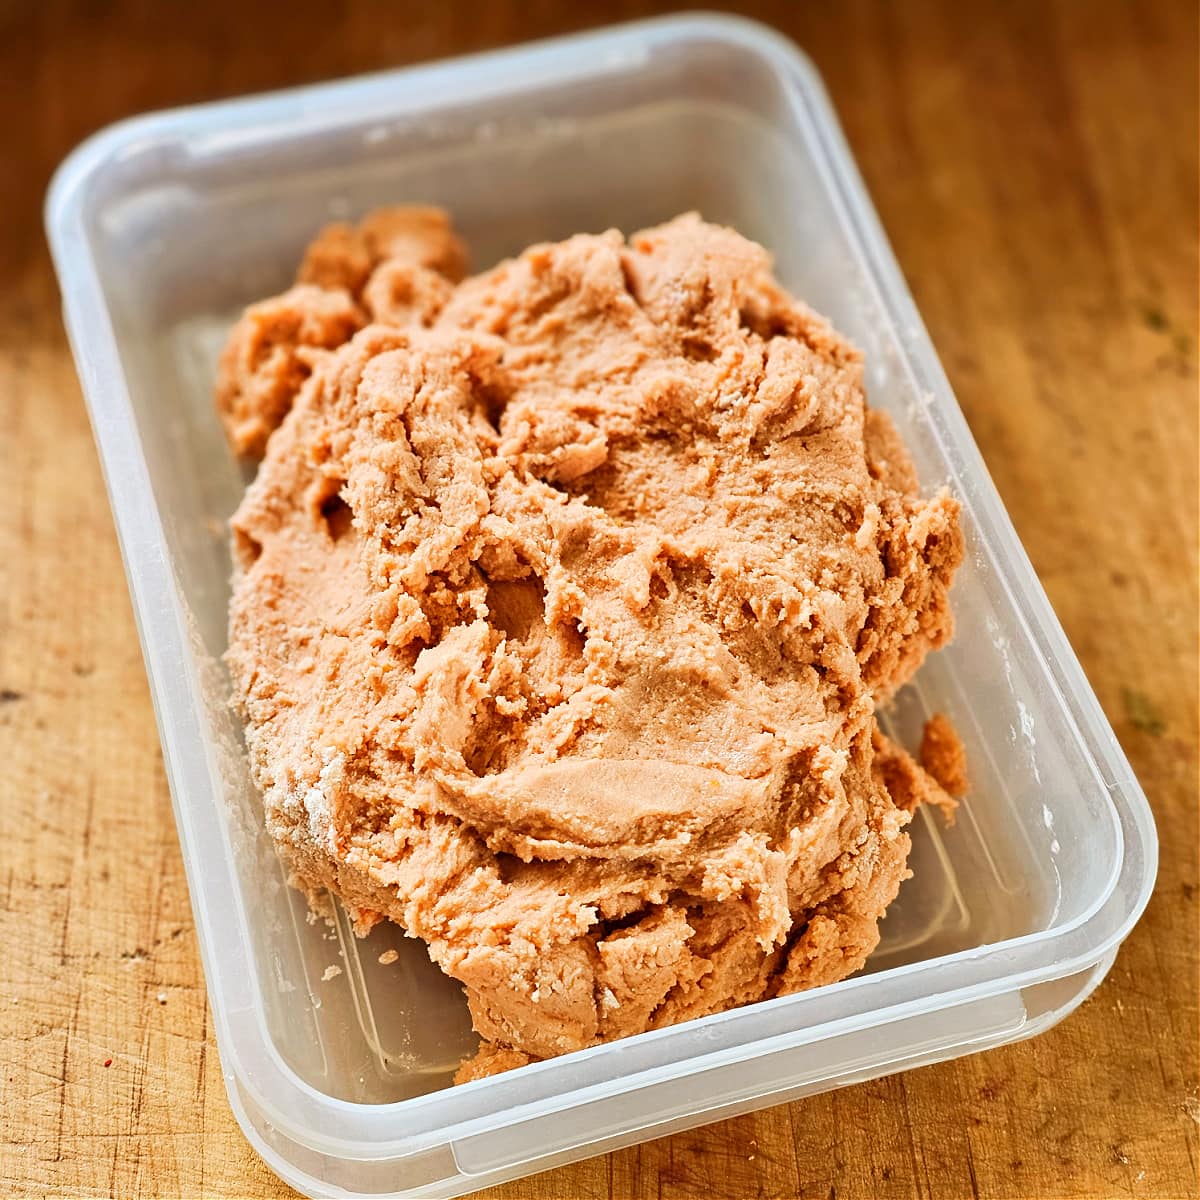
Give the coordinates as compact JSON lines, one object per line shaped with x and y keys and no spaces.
{"x":188,"y":230}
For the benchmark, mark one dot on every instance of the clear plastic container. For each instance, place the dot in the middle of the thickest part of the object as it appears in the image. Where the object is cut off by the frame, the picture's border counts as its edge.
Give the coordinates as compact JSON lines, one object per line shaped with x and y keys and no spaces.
{"x":164,"y":226}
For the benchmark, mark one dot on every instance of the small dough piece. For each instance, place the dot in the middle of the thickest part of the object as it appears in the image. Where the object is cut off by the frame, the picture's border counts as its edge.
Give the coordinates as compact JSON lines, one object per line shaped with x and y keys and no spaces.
{"x":490,"y":1060}
{"x":403,"y":293}
{"x":943,"y":755}
{"x":561,"y":618}
{"x":344,"y":256}
{"x":908,"y":782}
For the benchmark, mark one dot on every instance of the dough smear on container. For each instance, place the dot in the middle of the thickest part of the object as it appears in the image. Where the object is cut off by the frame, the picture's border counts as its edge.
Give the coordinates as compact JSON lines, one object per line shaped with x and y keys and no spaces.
{"x":565,"y":599}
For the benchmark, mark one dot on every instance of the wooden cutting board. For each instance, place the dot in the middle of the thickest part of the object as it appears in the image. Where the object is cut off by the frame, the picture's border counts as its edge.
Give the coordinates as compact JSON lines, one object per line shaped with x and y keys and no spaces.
{"x":1036,"y":168}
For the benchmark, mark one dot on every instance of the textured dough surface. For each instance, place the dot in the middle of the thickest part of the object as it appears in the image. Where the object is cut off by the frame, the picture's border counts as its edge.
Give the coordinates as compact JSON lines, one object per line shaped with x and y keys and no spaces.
{"x":397,"y":266}
{"x":563,"y":607}
{"x":943,"y":755}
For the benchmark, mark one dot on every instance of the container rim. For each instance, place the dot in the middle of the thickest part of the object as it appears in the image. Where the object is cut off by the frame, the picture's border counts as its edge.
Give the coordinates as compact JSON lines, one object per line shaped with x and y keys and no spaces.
{"x":250,"y":1059}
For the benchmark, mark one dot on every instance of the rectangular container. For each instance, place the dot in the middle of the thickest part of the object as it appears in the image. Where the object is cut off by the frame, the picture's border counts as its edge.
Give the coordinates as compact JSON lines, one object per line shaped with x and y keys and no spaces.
{"x":164,"y":226}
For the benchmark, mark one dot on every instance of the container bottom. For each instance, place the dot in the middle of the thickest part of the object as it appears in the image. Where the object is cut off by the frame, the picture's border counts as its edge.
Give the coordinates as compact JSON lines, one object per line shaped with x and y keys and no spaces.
{"x":523,"y":1148}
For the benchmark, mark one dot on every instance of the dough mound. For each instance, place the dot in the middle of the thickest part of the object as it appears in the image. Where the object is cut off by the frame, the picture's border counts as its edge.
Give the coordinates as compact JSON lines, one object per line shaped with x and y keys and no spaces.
{"x":561,"y":615}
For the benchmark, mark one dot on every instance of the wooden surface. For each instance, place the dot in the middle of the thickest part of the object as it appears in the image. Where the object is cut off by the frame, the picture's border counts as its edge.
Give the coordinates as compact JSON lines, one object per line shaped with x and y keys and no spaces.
{"x":1035,"y":167}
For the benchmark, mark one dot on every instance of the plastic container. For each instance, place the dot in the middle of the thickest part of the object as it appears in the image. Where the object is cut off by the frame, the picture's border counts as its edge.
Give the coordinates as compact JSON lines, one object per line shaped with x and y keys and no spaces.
{"x":162,"y":227}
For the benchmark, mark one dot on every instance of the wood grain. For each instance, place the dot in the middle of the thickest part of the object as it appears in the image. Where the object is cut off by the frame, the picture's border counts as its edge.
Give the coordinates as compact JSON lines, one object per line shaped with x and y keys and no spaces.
{"x":1036,"y":168}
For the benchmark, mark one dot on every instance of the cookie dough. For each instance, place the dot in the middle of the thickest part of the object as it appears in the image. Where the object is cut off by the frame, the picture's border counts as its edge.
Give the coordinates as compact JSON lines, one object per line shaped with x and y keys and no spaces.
{"x":943,"y":755}
{"x":565,"y":598}
{"x":398,"y":267}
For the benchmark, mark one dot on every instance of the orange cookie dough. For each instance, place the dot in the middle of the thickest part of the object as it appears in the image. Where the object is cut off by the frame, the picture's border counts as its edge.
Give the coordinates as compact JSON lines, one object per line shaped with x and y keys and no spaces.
{"x":561,"y":616}
{"x":398,"y":266}
{"x":943,"y":755}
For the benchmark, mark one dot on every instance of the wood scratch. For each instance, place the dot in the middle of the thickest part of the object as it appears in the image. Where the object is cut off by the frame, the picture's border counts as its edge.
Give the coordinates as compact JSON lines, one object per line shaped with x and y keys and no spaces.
{"x":112,"y":1175}
{"x":87,"y":819}
{"x":971,"y":1168}
{"x":203,"y":1058}
{"x":62,"y":941}
{"x":919,"y":1171}
{"x":62,"y":1098}
{"x":138,"y":1098}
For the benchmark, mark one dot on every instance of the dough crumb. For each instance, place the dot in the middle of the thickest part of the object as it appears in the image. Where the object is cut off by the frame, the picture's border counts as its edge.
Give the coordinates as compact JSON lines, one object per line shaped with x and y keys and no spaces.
{"x":330,"y":972}
{"x":490,"y":1060}
{"x":388,"y":957}
{"x":943,"y":755}
{"x":908,"y":782}
{"x":345,"y":256}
